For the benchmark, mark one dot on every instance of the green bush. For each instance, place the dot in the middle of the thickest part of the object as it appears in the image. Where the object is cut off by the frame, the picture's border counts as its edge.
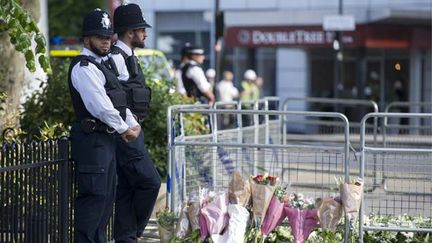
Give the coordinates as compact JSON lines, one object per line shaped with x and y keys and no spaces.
{"x":51,"y":106}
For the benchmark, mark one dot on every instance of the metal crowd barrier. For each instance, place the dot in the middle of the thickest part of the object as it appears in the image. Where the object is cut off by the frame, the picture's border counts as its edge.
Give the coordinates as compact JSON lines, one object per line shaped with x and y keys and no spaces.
{"x":405,"y":172}
{"x":197,"y":163}
{"x":353,"y":109}
{"x":413,"y":130}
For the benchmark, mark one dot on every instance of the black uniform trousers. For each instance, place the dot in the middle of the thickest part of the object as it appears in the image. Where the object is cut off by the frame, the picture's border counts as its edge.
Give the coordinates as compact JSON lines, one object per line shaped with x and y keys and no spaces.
{"x":95,"y":160}
{"x":137,"y":189}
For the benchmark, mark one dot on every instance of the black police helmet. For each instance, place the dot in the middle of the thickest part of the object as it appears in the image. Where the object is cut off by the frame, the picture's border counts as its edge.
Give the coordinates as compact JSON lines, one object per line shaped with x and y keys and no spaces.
{"x":129,"y":17}
{"x":97,"y":22}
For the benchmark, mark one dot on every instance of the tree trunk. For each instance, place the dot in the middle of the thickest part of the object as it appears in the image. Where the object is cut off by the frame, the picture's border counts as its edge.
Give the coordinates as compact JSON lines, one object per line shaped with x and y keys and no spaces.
{"x":12,"y":70}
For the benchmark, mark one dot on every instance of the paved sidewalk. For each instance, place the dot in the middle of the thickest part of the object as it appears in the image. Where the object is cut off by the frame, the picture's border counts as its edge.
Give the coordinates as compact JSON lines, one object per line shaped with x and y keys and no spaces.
{"x":151,"y":233}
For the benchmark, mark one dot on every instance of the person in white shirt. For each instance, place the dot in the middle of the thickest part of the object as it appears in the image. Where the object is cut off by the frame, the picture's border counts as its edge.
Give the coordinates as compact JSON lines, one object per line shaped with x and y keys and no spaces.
{"x":101,"y":116}
{"x":226,"y":89}
{"x":227,"y":93}
{"x":193,"y":77}
{"x":138,"y":180}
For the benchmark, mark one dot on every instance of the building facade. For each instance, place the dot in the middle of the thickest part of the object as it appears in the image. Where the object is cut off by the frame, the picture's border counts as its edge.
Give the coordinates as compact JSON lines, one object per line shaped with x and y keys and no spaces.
{"x":386,"y":58}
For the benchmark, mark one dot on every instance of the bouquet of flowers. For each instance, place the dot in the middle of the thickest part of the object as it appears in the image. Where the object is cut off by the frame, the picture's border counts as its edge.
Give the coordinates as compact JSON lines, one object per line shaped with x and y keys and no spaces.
{"x":238,"y":217}
{"x":214,"y":216}
{"x":302,"y":216}
{"x":166,"y":221}
{"x":275,"y":212}
{"x":239,"y":190}
{"x":183,"y":227}
{"x":351,"y":194}
{"x":239,"y":196}
{"x":329,"y":212}
{"x":262,"y":188}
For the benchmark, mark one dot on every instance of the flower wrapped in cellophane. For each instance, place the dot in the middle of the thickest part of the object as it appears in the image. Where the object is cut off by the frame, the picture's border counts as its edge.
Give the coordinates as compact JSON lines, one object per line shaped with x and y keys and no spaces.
{"x":329,"y":212}
{"x":239,"y":197}
{"x":183,"y":227}
{"x":262,"y":188}
{"x":239,"y":191}
{"x":351,"y":194}
{"x":302,"y":216}
{"x":275,"y":212}
{"x":214,"y":216}
{"x":238,"y":218}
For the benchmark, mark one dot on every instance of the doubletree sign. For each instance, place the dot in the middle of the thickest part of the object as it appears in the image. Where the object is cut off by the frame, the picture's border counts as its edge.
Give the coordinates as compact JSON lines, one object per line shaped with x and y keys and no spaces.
{"x":366,"y":35}
{"x":282,"y":36}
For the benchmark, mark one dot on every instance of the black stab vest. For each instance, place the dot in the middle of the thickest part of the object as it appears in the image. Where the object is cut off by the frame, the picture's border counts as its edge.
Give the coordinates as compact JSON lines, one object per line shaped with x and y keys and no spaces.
{"x":112,"y":88}
{"x":137,"y":92}
{"x":189,"y":84}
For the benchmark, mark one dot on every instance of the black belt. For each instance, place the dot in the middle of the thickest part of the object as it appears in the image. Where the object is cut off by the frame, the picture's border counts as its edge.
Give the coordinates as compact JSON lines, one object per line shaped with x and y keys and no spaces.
{"x":89,"y":125}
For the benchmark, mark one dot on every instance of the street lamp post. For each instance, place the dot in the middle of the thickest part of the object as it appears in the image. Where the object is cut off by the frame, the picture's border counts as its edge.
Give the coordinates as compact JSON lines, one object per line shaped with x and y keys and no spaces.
{"x":338,"y":46}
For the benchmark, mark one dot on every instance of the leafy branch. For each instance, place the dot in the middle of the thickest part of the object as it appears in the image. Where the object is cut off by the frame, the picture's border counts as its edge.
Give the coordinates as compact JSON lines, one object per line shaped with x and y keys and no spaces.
{"x":22,"y":29}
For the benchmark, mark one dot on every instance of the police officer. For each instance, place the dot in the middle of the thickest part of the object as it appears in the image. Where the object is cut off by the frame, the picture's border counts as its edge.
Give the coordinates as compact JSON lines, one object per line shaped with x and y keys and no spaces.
{"x":100,"y":108}
{"x":193,"y":77}
{"x":138,"y":179}
{"x":178,"y":74}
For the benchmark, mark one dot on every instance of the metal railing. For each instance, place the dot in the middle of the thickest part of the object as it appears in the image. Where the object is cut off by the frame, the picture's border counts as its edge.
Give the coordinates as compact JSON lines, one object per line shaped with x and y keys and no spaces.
{"x":196,"y":162}
{"x":37,"y":192}
{"x":404,"y":172}
{"x":35,"y":185}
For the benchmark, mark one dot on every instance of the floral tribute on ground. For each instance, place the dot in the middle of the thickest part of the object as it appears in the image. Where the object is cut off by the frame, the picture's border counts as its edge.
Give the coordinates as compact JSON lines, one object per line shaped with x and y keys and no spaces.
{"x":260,"y":209}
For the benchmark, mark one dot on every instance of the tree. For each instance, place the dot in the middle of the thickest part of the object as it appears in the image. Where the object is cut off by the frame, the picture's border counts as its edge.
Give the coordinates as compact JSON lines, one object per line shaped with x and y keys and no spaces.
{"x":22,"y":29}
{"x":17,"y":31}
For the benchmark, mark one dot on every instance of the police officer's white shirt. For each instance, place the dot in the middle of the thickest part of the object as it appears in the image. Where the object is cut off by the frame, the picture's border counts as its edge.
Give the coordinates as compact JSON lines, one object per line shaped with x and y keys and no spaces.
{"x":121,"y":66}
{"x":197,"y":75}
{"x":179,"y":82}
{"x":89,"y":81}
{"x":120,"y":62}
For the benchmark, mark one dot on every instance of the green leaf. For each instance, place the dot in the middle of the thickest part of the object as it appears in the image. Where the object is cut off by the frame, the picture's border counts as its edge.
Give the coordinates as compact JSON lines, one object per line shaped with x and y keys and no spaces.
{"x":29,"y":56}
{"x":40,"y":43}
{"x":44,"y":62}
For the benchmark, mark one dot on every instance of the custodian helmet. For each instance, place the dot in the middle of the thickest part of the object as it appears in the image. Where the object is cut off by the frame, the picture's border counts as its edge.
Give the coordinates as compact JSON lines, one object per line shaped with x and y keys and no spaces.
{"x":97,"y":22}
{"x":129,"y":17}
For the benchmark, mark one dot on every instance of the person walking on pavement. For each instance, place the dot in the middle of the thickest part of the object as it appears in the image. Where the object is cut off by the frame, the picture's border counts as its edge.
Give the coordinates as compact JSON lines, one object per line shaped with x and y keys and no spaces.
{"x":138,"y":180}
{"x":99,"y":105}
{"x":193,"y":77}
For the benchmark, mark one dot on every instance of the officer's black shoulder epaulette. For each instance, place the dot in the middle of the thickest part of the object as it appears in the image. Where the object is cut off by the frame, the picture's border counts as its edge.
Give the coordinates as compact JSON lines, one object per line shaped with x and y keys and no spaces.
{"x":84,"y":62}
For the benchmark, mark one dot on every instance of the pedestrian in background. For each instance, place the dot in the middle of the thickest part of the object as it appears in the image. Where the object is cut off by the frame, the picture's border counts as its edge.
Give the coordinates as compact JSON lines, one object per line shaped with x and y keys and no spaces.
{"x":138,"y":180}
{"x":193,"y":77}
{"x":249,"y":89}
{"x":99,"y":104}
{"x":249,"y":94}
{"x":227,"y":92}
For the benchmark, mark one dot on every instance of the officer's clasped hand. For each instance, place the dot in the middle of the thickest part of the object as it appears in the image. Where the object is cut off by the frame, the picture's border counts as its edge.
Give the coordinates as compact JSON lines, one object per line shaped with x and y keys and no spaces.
{"x":131,"y":134}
